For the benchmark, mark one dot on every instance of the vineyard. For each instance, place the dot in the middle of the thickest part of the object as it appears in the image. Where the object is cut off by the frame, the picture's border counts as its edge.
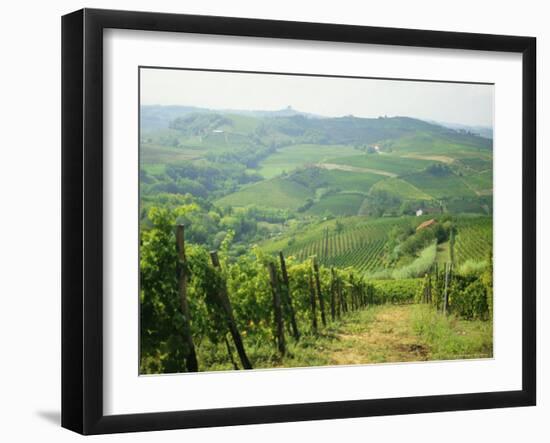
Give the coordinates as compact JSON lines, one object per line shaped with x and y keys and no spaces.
{"x":474,"y":239}
{"x":361,"y":244}
{"x":202,"y":311}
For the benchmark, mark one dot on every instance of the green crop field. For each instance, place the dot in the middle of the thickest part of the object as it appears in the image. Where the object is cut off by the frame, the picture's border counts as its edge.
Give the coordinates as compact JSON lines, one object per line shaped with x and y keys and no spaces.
{"x":430,"y":143}
{"x":276,"y":193}
{"x":401,"y":188}
{"x":291,"y":157}
{"x":481,"y":181}
{"x":474,"y":241}
{"x":338,"y":204}
{"x":440,"y":186}
{"x":384,"y":162}
{"x":360,"y":243}
{"x":477,"y":164}
{"x":318,"y":178}
{"x":166,"y":155}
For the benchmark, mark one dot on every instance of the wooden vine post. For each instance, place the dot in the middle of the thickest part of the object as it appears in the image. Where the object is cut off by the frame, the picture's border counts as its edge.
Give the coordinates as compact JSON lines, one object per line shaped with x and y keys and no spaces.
{"x":279,"y":322}
{"x":225,"y":303}
{"x":446,"y":290}
{"x":319,"y":293}
{"x":325,"y":258}
{"x":452,"y":245}
{"x":288,"y":298}
{"x":332,"y":293}
{"x":430,"y":288}
{"x":339,"y":297}
{"x":230,"y":353}
{"x":353,"y":293}
{"x":190,"y":353}
{"x":312,"y":303}
{"x":343,"y":295}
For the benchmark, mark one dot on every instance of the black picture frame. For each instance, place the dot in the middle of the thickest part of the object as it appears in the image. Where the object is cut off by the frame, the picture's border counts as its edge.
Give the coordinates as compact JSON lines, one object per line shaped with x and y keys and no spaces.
{"x":82,"y":218}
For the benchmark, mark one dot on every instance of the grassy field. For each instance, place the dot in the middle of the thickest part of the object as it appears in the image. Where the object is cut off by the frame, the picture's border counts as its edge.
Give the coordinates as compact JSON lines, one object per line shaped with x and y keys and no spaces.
{"x":291,"y":157}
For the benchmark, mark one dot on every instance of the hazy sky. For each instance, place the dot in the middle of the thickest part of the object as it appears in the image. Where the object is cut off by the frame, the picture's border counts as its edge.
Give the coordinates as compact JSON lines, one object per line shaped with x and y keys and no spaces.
{"x":445,"y":102}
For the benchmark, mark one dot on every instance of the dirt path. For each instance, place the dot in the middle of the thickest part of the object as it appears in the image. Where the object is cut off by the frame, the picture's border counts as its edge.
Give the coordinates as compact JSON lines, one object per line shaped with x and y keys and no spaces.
{"x":382,"y":334}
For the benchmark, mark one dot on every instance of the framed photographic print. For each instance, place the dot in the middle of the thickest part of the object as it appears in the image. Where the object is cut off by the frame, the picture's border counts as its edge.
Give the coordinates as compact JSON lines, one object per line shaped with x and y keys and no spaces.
{"x":269,"y":221}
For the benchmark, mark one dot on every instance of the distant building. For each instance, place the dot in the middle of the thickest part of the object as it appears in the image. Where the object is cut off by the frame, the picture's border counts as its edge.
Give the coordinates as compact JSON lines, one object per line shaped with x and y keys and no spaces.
{"x":419,"y":212}
{"x":217,"y":131}
{"x":426,"y":224}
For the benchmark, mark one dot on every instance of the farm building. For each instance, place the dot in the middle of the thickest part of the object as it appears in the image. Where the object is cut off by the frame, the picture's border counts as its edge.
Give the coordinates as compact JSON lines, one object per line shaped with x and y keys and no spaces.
{"x":426,"y":224}
{"x":419,"y":212}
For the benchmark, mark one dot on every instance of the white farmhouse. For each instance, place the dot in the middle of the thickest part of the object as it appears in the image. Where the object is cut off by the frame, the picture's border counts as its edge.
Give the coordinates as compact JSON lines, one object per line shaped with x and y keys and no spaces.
{"x":419,"y":212}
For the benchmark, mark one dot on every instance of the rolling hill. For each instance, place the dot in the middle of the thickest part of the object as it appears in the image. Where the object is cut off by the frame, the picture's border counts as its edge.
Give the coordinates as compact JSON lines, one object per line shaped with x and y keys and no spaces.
{"x":317,"y":166}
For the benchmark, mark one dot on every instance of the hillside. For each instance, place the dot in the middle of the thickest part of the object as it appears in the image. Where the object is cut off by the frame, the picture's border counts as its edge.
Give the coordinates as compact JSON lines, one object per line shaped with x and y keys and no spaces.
{"x":365,"y":244}
{"x":321,"y":166}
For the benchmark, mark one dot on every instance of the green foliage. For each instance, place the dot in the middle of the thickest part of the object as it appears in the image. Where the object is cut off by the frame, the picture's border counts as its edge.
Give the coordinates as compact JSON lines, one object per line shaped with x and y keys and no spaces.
{"x":396,"y":291}
{"x":470,"y":294}
{"x":422,"y":264}
{"x":470,"y":302}
{"x":200,"y":123}
{"x":160,"y":317}
{"x":439,"y":170}
{"x":472,"y":267}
